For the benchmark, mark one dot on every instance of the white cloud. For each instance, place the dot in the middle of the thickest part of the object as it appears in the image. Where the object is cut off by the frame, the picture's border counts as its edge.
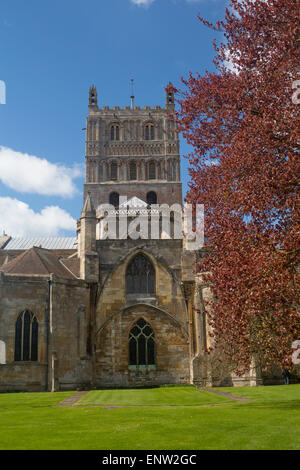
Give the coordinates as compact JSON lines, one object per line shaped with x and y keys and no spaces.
{"x":29,"y":174}
{"x":2,"y":92}
{"x":142,"y":3}
{"x":19,"y":220}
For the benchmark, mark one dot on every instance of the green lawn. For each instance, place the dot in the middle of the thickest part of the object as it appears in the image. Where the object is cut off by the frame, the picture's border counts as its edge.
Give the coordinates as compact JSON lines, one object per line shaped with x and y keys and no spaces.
{"x":163,"y":396}
{"x":271,"y":420}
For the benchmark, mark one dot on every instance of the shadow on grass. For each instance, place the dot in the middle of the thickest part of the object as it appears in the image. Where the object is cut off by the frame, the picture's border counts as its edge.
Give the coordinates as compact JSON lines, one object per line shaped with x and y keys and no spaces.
{"x":144,"y":387}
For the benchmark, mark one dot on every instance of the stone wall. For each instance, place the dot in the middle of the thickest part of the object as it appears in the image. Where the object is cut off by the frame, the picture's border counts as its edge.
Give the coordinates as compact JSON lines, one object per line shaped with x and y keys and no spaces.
{"x":171,"y":350}
{"x":167,"y":193}
{"x":68,"y":335}
{"x":19,"y":293}
{"x":23,"y":376}
{"x":165,"y":311}
{"x":165,"y":256}
{"x":63,"y":317}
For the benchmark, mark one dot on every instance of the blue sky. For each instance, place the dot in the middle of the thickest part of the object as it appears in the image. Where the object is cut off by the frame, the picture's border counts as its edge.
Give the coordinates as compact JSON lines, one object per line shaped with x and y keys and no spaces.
{"x":50,"y":53}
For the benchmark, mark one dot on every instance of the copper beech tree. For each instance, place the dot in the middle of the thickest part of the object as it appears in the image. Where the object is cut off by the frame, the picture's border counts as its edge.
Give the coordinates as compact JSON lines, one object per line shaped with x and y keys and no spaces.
{"x":243,"y":124}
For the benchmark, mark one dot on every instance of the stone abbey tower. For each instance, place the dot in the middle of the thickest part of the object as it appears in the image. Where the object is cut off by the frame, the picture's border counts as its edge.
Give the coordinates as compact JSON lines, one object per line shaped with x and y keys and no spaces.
{"x":133,"y":153}
{"x":101,"y":311}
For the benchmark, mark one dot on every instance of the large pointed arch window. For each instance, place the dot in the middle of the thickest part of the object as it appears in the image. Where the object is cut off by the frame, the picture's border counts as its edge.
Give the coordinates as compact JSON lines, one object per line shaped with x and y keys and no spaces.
{"x":140,"y":276}
{"x":26,"y":337}
{"x":141,"y":344}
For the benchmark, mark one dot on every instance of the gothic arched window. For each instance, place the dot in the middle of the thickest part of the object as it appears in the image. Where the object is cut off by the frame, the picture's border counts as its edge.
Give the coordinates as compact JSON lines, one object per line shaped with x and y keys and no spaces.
{"x":26,"y":338}
{"x":152,"y":171}
{"x":132,"y":171}
{"x":141,"y":344}
{"x":114,"y":199}
{"x":115,"y":132}
{"x":140,"y":276}
{"x":113,"y":171}
{"x":151,"y":198}
{"x":149,"y":132}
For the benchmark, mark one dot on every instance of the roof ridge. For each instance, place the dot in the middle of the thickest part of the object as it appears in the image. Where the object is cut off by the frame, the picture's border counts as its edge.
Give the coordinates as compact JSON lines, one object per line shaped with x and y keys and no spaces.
{"x":18,"y":258}
{"x":35,"y":249}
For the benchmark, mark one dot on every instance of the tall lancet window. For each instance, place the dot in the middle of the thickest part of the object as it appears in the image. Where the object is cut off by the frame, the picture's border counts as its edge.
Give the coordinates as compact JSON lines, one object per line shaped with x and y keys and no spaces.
{"x":140,"y":276}
{"x":149,"y":132}
{"x":26,"y":337}
{"x":152,"y":171}
{"x":113,"y":171}
{"x":132,"y":171}
{"x":115,"y":132}
{"x":141,"y":344}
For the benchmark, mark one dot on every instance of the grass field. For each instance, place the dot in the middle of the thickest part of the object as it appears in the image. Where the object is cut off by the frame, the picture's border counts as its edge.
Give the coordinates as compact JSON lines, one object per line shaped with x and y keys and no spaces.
{"x":170,"y":418}
{"x":163,"y":396}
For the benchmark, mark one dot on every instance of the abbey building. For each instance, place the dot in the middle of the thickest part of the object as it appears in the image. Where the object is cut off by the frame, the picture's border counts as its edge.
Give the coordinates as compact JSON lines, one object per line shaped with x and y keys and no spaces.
{"x":100,"y":310}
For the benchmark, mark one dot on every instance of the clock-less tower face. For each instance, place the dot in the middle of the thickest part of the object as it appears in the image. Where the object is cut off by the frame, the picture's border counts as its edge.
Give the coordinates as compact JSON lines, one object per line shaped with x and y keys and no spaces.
{"x":132,"y":152}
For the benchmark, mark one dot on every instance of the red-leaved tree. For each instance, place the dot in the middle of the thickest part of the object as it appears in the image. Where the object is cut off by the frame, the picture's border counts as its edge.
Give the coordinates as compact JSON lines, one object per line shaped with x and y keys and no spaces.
{"x":243,"y":126}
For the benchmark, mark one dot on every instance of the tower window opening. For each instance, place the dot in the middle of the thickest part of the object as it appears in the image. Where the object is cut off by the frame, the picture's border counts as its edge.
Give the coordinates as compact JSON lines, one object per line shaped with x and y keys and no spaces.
{"x":115,"y":132}
{"x":140,"y":276}
{"x":132,"y":171}
{"x":113,"y":171}
{"x":152,"y":171}
{"x":149,"y":132}
{"x":114,"y":199}
{"x":151,"y":198}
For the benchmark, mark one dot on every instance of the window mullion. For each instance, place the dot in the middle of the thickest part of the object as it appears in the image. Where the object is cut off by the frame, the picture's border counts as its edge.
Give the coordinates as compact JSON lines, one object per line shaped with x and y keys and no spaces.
{"x":22,"y":337}
{"x":146,"y":352}
{"x":30,"y":337}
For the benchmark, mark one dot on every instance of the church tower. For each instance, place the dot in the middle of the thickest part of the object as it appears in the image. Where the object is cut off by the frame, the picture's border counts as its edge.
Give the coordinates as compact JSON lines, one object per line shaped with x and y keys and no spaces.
{"x":131,"y":152}
{"x":141,"y":320}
